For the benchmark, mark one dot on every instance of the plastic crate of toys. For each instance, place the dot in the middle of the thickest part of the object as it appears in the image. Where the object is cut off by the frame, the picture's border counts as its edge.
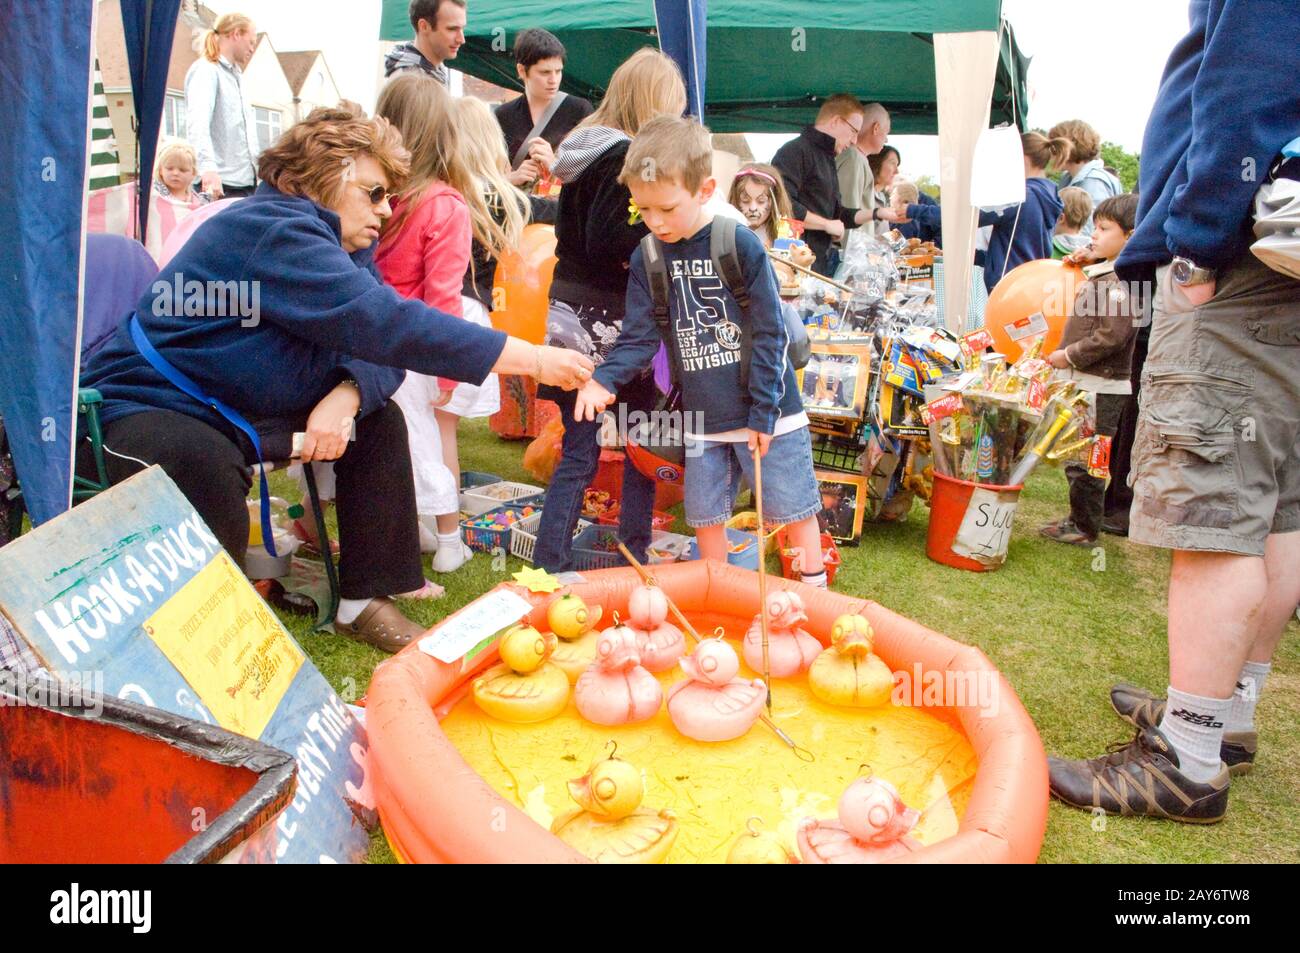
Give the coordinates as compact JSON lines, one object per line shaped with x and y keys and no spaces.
{"x":598,"y":503}
{"x":660,"y":520}
{"x":747,"y":522}
{"x":742,"y":549}
{"x":790,"y":567}
{"x":483,"y":498}
{"x":490,"y":531}
{"x":523,"y":535}
{"x":596,"y":547}
{"x":667,"y":547}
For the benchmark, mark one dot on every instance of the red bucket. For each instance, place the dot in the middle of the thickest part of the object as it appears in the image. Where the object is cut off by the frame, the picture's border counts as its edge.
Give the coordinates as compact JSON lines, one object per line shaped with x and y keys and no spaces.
{"x":984,"y":547}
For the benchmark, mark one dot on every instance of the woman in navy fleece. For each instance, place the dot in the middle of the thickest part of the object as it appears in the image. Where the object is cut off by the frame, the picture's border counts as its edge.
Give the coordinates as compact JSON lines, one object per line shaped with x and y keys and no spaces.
{"x":1021,"y":232}
{"x":321,"y":350}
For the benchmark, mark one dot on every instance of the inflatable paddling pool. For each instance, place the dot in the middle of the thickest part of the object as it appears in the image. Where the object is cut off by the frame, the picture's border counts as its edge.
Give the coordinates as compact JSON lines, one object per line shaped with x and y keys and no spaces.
{"x":455,"y":786}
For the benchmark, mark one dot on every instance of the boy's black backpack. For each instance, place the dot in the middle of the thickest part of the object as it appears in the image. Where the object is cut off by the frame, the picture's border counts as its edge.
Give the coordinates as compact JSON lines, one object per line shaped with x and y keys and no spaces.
{"x":726,"y":264}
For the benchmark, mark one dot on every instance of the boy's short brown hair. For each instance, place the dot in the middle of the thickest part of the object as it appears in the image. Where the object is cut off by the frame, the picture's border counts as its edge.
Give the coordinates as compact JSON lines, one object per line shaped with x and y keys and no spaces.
{"x":1120,"y":209}
{"x":1078,"y":206}
{"x":669,"y":149}
{"x":840,"y":105}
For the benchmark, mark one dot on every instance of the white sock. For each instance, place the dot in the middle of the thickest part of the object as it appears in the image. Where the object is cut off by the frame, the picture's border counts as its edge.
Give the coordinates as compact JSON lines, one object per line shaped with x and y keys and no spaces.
{"x":1194,"y":726}
{"x":349,"y":609}
{"x":428,"y":534}
{"x":817,"y":579}
{"x":452,"y":553}
{"x":1250,"y":685}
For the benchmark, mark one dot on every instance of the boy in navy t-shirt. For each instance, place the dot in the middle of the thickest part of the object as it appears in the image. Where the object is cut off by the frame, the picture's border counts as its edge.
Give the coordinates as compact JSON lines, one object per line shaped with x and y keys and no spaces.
{"x":667,"y":170}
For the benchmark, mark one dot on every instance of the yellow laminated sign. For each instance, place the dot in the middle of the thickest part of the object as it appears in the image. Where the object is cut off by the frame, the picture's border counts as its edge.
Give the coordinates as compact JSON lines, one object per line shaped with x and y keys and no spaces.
{"x":229,"y":646}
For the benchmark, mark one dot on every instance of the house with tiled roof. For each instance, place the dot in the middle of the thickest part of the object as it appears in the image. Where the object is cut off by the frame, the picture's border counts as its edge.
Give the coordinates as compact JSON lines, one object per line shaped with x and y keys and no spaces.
{"x":310,"y":81}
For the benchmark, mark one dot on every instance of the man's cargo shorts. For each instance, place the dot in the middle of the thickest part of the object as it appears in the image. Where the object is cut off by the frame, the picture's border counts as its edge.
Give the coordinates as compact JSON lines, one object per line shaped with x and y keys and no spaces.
{"x":1216,"y":458}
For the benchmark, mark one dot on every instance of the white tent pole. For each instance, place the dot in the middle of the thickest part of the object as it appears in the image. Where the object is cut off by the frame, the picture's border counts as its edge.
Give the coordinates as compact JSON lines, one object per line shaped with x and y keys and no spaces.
{"x":965,"y":66}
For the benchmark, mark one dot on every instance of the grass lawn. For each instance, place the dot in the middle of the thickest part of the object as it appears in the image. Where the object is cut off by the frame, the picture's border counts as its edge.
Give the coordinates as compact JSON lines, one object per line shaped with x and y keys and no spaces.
{"x":1062,"y":623}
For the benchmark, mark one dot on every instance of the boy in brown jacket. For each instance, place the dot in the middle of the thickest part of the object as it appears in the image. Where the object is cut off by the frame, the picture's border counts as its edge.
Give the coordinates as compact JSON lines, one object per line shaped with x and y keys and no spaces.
{"x":1096,"y":351}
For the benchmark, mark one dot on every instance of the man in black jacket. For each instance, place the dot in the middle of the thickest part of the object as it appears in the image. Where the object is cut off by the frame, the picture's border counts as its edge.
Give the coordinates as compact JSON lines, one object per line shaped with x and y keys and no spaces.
{"x":807,"y":165}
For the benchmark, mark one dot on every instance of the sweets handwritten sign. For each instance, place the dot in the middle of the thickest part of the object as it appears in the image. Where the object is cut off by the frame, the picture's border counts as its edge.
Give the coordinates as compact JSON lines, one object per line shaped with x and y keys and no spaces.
{"x":986,"y":526}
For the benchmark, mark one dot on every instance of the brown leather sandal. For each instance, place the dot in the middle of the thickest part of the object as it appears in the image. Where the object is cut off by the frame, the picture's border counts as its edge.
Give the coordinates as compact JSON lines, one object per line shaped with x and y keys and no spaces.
{"x":382,"y":625}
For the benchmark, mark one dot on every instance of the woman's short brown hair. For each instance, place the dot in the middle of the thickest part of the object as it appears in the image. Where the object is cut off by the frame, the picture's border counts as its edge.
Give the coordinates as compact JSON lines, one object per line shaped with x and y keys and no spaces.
{"x":1085,"y":142}
{"x":314,"y":157}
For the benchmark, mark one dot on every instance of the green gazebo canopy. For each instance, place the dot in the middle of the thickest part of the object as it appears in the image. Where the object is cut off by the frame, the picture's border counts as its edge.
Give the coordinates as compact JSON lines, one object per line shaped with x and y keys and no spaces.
{"x":770,"y":62}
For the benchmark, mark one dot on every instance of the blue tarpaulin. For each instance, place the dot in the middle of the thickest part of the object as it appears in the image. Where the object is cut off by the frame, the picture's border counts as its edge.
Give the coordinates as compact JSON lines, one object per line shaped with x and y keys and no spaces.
{"x":148,"y":26}
{"x":44,"y":142}
{"x":683,"y":29}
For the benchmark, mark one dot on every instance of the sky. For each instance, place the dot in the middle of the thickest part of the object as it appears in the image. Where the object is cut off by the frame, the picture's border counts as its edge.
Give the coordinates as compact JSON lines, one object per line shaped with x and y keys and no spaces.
{"x":1100,"y":61}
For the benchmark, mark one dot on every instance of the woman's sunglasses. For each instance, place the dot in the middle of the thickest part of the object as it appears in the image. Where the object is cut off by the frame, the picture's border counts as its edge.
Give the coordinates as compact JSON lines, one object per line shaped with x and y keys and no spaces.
{"x":378,"y":195}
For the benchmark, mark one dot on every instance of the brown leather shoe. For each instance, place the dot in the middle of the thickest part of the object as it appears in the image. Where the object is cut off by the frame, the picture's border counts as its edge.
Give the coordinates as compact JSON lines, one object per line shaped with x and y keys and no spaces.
{"x":382,"y":625}
{"x":1140,"y":777}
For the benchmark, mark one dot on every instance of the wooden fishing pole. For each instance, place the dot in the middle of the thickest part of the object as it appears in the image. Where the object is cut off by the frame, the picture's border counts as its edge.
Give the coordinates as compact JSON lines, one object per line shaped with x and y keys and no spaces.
{"x":803,"y":754}
{"x":762,"y":573}
{"x":776,"y":256}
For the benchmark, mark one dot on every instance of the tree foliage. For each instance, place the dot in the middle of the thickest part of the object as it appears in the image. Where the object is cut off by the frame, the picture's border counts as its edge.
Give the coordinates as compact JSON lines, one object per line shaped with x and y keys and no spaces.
{"x":1122,"y":161}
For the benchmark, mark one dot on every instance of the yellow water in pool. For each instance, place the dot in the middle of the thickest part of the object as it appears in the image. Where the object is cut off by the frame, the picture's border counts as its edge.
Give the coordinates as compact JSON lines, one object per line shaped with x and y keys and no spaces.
{"x":714,"y":788}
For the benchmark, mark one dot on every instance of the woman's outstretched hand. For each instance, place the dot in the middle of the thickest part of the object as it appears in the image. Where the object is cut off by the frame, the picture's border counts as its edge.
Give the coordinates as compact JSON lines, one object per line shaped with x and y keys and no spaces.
{"x":563,"y":368}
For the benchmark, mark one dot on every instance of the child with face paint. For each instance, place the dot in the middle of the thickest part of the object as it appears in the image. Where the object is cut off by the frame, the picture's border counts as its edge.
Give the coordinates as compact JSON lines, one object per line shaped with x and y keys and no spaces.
{"x":759,"y":193}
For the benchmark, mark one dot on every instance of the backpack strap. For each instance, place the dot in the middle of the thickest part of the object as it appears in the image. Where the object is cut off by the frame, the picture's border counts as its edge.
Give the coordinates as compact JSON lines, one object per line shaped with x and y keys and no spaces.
{"x":722,"y":249}
{"x":726,"y":262}
{"x":656,"y":272}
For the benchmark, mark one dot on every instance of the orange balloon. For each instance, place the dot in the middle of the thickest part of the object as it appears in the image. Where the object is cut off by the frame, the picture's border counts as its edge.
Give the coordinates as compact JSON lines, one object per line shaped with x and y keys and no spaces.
{"x":522,"y":285}
{"x":1030,"y":299}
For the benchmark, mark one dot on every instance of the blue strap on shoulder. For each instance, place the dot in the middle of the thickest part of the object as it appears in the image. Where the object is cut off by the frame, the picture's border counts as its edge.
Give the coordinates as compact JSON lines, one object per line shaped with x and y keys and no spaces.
{"x":179,"y":380}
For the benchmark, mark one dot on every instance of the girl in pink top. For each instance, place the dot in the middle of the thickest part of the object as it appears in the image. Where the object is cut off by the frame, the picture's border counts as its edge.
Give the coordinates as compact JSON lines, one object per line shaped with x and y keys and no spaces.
{"x":424,"y":253}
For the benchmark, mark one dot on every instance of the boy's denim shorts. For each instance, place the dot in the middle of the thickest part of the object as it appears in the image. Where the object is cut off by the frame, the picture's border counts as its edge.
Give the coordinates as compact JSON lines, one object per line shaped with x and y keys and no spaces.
{"x":713,"y":471}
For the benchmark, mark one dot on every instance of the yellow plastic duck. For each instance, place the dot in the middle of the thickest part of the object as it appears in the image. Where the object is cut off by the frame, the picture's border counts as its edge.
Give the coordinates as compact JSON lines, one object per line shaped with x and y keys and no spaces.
{"x":848,"y":673}
{"x":612,"y":827}
{"x":525,"y":687}
{"x":759,"y":847}
{"x":575,"y":623}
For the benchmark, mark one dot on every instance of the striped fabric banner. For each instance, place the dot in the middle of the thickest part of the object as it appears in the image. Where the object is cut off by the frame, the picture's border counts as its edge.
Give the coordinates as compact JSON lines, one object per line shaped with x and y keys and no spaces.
{"x":103,"y":147}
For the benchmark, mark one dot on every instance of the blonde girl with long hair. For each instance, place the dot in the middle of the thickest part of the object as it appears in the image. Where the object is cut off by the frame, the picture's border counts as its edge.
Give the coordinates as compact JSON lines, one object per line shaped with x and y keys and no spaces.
{"x":597,"y":229}
{"x":507,"y":208}
{"x":424,"y":253}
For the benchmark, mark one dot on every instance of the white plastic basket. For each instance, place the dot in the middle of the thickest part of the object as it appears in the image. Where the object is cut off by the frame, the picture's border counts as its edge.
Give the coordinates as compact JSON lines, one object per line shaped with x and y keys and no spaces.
{"x":480,"y":499}
{"x":523,"y":536}
{"x":671,"y":547}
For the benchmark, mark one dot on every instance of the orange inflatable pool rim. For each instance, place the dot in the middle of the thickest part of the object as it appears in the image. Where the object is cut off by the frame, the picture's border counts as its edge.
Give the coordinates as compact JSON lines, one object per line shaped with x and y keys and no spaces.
{"x":436,"y":809}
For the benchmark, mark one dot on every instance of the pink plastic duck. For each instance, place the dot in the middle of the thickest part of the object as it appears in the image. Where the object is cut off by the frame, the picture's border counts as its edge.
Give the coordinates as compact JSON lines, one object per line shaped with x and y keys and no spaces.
{"x":660,"y":642}
{"x":790,"y":649}
{"x":873,"y":827}
{"x":616,"y":689}
{"x":711,"y":704}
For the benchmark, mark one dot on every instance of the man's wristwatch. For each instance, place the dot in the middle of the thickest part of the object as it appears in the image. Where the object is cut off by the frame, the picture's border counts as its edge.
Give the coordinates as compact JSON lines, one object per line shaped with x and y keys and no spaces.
{"x":1185,"y":272}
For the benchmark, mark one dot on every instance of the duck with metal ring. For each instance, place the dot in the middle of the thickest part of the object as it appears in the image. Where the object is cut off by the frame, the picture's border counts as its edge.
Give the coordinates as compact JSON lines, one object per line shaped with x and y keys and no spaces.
{"x":272,"y":320}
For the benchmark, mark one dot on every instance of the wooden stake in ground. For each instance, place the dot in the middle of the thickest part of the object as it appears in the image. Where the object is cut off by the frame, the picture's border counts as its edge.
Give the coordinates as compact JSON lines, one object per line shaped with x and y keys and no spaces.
{"x":762,"y":572}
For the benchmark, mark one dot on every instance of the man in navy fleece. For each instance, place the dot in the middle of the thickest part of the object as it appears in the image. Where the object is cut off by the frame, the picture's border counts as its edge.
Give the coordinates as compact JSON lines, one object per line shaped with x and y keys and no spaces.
{"x":1216,"y":458}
